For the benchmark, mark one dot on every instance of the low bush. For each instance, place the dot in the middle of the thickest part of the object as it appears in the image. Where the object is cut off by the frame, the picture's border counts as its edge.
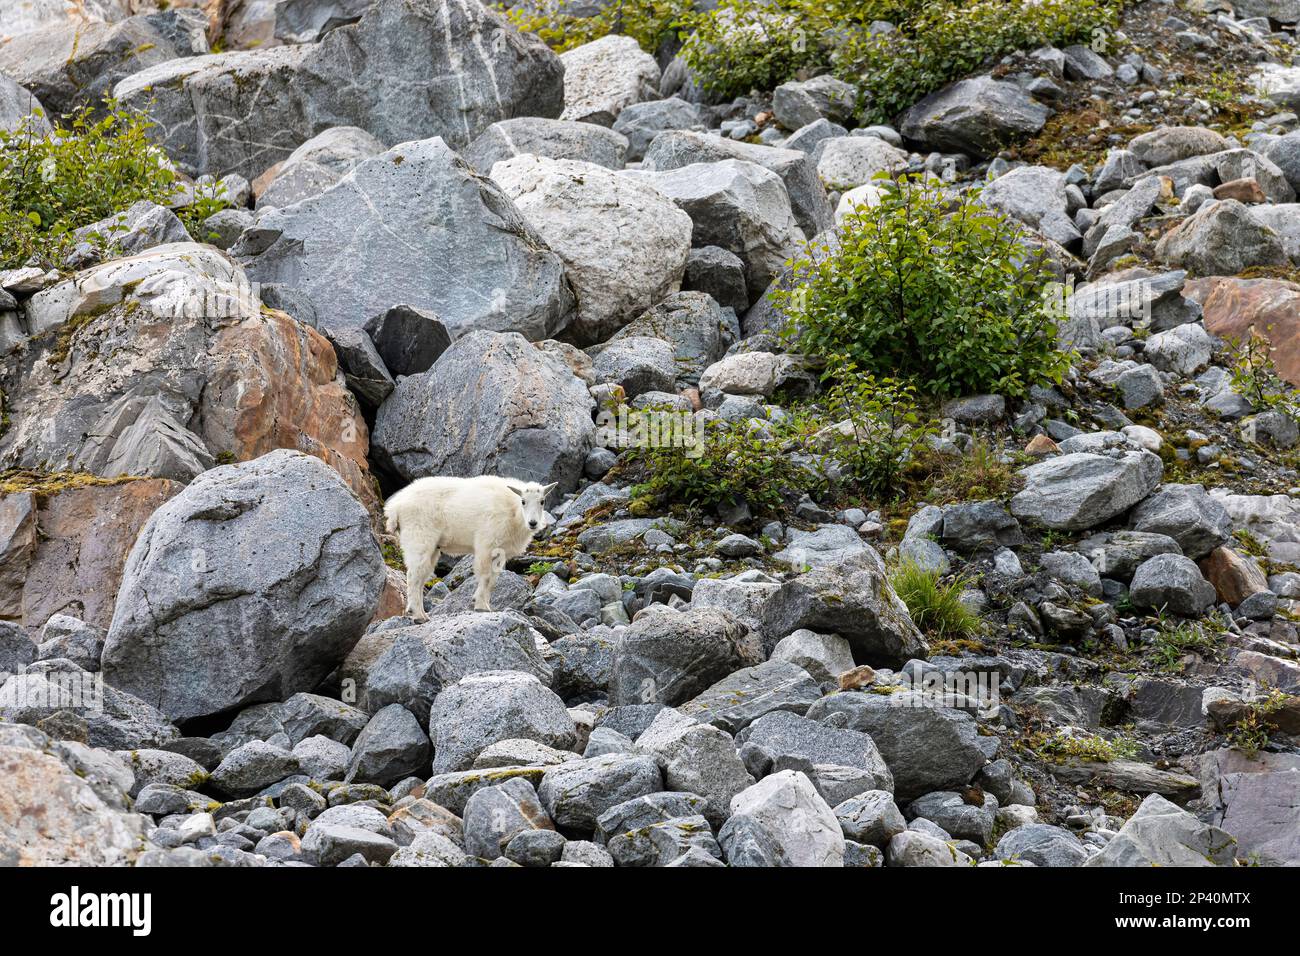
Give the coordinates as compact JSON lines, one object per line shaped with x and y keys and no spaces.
{"x":878,"y":428}
{"x":940,"y":292}
{"x":945,"y":41}
{"x":649,"y":22}
{"x":734,"y":461}
{"x":97,"y":165}
{"x":743,"y":45}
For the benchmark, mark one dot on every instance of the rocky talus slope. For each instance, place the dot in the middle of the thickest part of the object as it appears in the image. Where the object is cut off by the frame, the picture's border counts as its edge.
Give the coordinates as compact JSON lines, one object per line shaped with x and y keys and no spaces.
{"x":462,"y":247}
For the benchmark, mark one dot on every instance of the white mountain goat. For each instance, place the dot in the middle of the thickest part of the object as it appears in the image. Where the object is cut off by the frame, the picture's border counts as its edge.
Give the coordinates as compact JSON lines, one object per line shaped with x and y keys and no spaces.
{"x":492,"y":518}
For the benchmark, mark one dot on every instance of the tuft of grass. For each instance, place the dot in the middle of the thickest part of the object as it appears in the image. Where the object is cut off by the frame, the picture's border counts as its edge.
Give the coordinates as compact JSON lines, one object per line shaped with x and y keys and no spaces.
{"x":1173,"y":643}
{"x":935,"y":605}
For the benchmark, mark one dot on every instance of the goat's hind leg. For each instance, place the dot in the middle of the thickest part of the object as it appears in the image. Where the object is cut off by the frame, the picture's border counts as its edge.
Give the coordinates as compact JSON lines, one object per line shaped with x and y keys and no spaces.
{"x":485,"y":574}
{"x":421,"y":559}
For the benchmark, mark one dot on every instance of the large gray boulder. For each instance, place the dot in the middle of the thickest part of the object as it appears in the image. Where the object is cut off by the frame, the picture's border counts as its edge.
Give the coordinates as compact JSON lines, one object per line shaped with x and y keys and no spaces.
{"x":1186,"y":513}
{"x":642,"y":122}
{"x":852,"y":599}
{"x":1163,"y":834}
{"x":487,"y":707}
{"x":1221,"y":239}
{"x":1172,"y":144}
{"x":551,"y":138}
{"x":738,"y":206}
{"x":791,"y":738}
{"x":1173,"y":583}
{"x":1042,"y":845}
{"x":424,"y":658}
{"x":316,"y":165}
{"x":367,"y":244}
{"x":448,"y":69}
{"x":604,"y":77}
{"x":491,"y":404}
{"x":623,"y":243}
{"x":578,"y":792}
{"x":673,"y":149}
{"x":1085,"y":489}
{"x":926,"y":747}
{"x":847,"y":162}
{"x":251,"y":584}
{"x":782,"y":821}
{"x":669,"y":658}
{"x":976,"y":116}
{"x":1036,"y":196}
{"x":69,"y":65}
{"x":18,"y":105}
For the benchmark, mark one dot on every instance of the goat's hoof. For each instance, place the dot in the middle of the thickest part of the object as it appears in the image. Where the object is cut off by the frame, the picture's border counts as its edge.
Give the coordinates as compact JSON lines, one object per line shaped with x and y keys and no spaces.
{"x":419,"y":618}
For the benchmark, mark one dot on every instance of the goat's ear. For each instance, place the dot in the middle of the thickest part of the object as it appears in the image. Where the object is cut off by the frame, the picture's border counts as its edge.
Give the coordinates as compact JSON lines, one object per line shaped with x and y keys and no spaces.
{"x":546,"y":492}
{"x":520,"y":492}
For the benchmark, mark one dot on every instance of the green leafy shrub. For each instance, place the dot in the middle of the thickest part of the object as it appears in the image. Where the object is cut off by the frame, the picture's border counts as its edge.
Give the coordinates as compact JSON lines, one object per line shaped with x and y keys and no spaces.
{"x":1255,"y":377}
{"x":1061,"y":745}
{"x":878,"y":428}
{"x":759,"y":44}
{"x":649,"y":22}
{"x":941,"y":292}
{"x":935,"y":606}
{"x":735,"y":461}
{"x":98,"y":165}
{"x":946,"y":41}
{"x":744,"y":45}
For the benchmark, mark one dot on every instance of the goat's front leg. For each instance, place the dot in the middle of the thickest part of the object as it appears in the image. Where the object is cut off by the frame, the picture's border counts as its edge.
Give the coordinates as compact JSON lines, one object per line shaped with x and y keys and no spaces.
{"x":485,"y":574}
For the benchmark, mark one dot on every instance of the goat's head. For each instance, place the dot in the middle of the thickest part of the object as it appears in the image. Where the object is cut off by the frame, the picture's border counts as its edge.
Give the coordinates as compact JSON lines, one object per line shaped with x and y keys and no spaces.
{"x":532,"y":497}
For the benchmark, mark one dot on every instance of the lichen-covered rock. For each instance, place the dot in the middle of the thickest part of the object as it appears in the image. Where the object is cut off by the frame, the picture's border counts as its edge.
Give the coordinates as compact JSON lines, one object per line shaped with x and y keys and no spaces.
{"x":251,"y":584}
{"x":491,"y":404}
{"x":364,"y":245}
{"x":670,"y":658}
{"x":244,"y":111}
{"x":623,"y":243}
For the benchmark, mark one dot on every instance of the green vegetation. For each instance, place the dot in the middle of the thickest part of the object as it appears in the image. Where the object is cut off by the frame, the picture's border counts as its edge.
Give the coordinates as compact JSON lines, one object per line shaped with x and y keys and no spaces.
{"x":935,"y":606}
{"x":1173,"y":643}
{"x":877,"y":429}
{"x":945,"y":41}
{"x":1061,"y":745}
{"x":1255,"y":377}
{"x":937,"y":291}
{"x":45,"y":484}
{"x":759,"y":44}
{"x":649,"y":22}
{"x":51,"y":186}
{"x":1250,"y":734}
{"x":737,"y":461}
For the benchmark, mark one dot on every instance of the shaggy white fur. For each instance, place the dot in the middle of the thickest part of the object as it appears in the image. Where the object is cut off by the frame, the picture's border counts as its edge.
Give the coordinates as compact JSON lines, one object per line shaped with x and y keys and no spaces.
{"x":492,"y":518}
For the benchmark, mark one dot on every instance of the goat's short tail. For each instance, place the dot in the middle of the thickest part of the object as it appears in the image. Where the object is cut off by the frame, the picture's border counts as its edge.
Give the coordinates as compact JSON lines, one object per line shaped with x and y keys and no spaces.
{"x":390,"y":521}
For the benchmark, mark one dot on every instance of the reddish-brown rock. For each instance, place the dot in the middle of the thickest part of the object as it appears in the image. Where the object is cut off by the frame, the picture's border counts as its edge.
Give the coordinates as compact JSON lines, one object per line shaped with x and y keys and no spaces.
{"x":63,"y":553}
{"x":1235,"y":577}
{"x":1271,"y":306}
{"x":1242,"y":190}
